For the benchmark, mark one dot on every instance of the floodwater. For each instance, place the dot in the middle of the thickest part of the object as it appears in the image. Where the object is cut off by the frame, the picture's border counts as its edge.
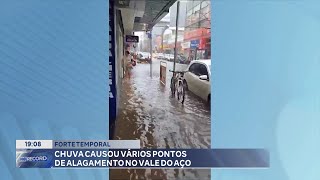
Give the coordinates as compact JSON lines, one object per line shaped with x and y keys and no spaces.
{"x":148,"y":112}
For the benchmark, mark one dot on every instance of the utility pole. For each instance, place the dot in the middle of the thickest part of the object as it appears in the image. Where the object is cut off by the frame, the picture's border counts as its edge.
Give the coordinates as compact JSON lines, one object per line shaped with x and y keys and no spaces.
{"x":176,"y":38}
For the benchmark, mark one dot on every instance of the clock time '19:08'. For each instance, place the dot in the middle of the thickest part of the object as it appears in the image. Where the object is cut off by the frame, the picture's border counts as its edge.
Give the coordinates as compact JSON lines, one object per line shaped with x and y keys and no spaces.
{"x":33,"y":143}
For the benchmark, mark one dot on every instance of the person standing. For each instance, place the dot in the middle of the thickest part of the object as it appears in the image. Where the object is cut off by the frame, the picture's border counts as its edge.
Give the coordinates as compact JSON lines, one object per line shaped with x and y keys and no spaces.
{"x":127,"y":64}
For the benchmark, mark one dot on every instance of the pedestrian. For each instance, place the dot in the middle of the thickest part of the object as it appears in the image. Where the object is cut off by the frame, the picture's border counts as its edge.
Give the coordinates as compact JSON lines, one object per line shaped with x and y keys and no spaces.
{"x":133,"y":62}
{"x":173,"y":84}
{"x":127,"y":64}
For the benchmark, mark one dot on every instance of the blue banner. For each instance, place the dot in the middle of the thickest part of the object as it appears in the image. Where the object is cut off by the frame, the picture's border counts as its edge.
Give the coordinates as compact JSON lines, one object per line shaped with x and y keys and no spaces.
{"x":137,"y":158}
{"x":194,"y":44}
{"x":112,"y":68}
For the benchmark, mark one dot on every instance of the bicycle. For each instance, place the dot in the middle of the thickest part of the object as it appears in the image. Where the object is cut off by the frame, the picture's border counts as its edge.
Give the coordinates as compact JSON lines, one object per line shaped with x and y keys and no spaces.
{"x":177,"y":85}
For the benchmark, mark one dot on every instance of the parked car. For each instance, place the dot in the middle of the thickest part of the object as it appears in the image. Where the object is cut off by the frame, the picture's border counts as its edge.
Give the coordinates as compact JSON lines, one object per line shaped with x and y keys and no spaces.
{"x":154,"y":55}
{"x":166,"y":57}
{"x":171,"y":57}
{"x":160,"y":56}
{"x":197,"y":79}
{"x":181,"y":59}
{"x":144,"y":57}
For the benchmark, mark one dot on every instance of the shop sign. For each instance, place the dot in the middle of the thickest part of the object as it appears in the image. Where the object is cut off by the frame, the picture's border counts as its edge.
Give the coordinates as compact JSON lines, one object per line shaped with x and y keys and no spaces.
{"x":185,"y":45}
{"x":130,"y":38}
{"x":194,"y":44}
{"x":163,"y":71}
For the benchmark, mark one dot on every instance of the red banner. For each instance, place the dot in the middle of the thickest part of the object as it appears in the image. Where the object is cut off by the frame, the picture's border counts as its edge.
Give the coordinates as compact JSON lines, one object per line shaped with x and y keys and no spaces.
{"x":196,"y":33}
{"x":203,"y":43}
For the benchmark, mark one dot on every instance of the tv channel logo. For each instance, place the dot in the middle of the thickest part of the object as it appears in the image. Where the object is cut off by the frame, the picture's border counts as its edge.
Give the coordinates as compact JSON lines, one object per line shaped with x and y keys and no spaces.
{"x":33,"y":159}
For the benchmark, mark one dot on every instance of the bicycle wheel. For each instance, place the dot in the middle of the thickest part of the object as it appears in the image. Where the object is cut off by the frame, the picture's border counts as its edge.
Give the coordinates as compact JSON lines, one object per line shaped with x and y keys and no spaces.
{"x":183,"y":94}
{"x":180,"y":92}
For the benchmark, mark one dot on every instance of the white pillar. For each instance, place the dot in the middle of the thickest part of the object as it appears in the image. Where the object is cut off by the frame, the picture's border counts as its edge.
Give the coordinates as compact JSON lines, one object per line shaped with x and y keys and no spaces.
{"x":175,"y":43}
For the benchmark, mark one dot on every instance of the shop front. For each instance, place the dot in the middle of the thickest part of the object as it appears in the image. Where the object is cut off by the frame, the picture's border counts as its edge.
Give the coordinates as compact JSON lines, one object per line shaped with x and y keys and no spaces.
{"x":158,"y":43}
{"x":204,"y":49}
{"x":169,"y":48}
{"x":197,"y":49}
{"x":185,"y":48}
{"x":166,"y":48}
{"x":200,"y":46}
{"x":194,"y":44}
{"x":172,"y":46}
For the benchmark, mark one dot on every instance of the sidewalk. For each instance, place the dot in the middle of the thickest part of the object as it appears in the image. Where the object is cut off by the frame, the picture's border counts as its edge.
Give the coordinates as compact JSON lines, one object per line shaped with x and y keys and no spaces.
{"x":148,"y":113}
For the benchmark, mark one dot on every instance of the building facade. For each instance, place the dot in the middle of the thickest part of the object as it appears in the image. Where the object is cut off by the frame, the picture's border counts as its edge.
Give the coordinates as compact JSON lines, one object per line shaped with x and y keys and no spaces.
{"x":165,"y":39}
{"x":157,"y":33}
{"x":197,"y":35}
{"x":169,"y":40}
{"x":182,"y":14}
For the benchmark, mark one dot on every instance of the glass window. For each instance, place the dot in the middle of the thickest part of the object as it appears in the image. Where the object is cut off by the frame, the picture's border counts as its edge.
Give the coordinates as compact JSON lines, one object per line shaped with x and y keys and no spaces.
{"x":194,"y":68}
{"x":203,"y":70}
{"x":192,"y":19}
{"x":195,"y":3}
{"x":204,"y":10}
{"x":191,"y":68}
{"x":205,"y":3}
{"x":197,"y":8}
{"x":189,"y":20}
{"x":205,"y":13}
{"x":202,"y":16}
{"x":195,"y":17}
{"x":189,"y":12}
{"x":190,"y":4}
{"x":205,"y":24}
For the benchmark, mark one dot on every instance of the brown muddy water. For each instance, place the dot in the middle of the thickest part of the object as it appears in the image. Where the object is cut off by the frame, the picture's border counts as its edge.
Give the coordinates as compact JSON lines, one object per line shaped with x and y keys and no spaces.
{"x":147,"y":112}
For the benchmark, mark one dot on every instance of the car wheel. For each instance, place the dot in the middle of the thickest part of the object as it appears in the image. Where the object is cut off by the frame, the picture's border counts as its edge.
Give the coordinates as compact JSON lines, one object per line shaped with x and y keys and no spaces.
{"x":209,"y":100}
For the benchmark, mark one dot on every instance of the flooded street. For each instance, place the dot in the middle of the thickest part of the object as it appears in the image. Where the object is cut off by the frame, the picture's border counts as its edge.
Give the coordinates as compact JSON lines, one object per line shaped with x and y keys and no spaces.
{"x":148,"y":112}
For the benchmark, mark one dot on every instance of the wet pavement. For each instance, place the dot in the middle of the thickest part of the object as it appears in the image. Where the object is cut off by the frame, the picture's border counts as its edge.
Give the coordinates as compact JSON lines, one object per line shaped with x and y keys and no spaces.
{"x":148,"y":112}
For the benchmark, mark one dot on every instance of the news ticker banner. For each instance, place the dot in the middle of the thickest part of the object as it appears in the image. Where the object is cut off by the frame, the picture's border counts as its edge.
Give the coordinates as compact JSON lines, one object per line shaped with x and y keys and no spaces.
{"x":127,"y":154}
